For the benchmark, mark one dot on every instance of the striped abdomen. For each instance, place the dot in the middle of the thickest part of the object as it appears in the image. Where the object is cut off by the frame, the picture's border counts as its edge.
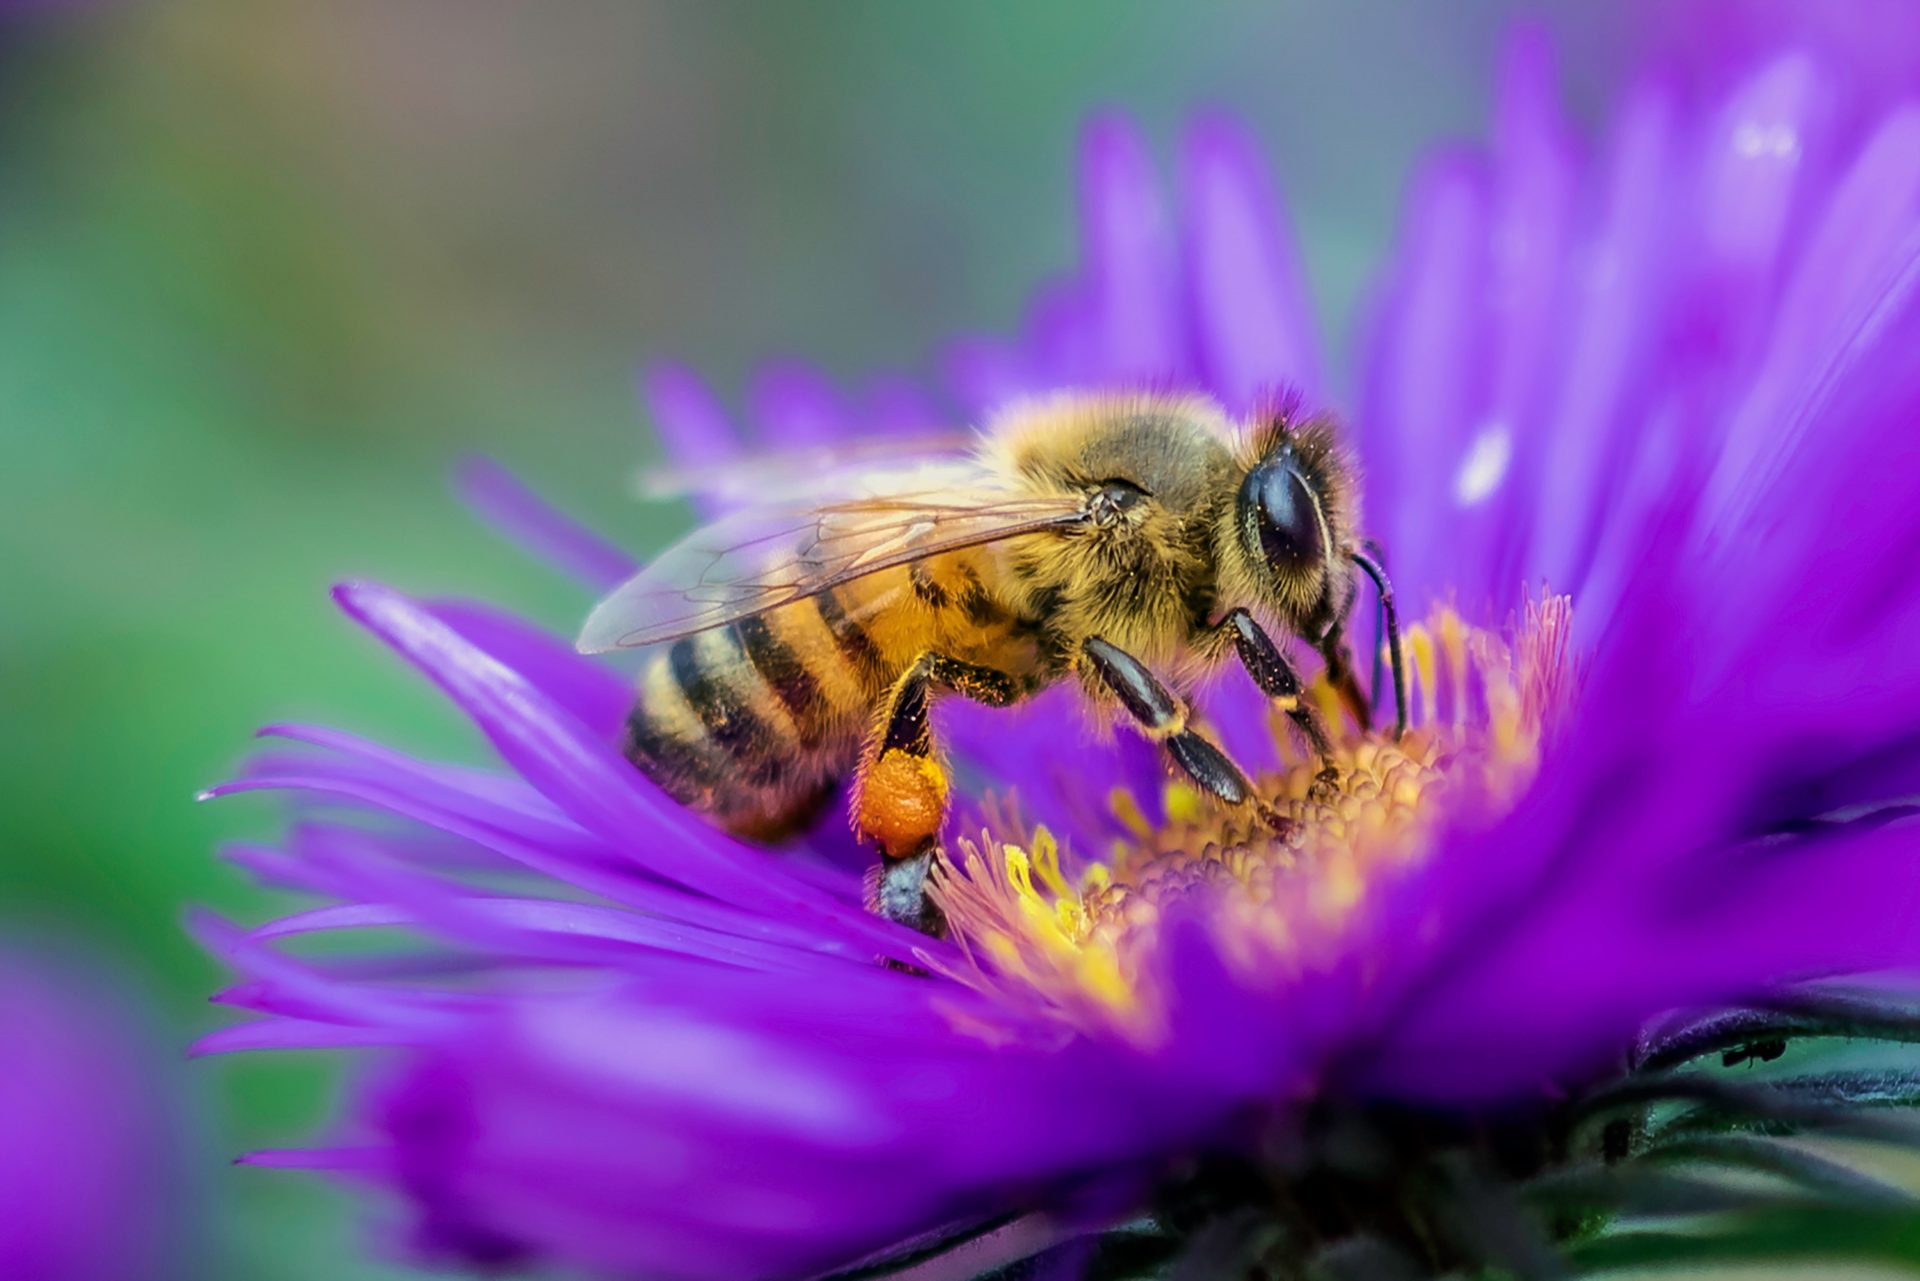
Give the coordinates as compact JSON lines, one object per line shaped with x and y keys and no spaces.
{"x":756,"y":721}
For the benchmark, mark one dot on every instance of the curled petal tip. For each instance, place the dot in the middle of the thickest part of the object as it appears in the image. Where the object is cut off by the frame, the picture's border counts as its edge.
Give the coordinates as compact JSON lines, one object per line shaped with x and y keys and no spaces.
{"x":201,"y":1050}
{"x":358,"y":595}
{"x":1109,"y":126}
{"x":474,"y":469}
{"x":1215,"y":127}
{"x":219,"y":791}
{"x":213,"y":931}
{"x":665,"y":377}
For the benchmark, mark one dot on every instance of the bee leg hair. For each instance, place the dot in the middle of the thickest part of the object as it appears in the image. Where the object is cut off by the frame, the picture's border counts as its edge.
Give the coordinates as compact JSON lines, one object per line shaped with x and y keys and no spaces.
{"x":1162,"y":717}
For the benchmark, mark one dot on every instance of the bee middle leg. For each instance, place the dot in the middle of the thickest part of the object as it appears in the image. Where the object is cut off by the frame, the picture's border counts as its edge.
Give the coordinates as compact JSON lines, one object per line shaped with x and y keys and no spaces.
{"x":901,"y":793}
{"x":1164,"y":718}
{"x":1275,"y":676}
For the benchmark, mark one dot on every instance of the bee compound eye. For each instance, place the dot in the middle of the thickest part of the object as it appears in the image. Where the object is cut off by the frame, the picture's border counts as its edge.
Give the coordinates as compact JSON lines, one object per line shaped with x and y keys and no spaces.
{"x":1114,"y":498}
{"x":1277,"y":500}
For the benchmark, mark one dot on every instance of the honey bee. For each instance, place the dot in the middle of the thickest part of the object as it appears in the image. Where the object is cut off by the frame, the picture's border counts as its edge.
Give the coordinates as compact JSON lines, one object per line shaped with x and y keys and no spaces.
{"x":1130,"y":544}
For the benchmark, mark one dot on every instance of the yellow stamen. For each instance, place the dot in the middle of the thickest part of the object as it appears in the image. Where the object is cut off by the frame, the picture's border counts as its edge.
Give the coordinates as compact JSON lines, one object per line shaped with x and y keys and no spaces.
{"x":1327,"y":699}
{"x":1127,"y":809}
{"x":1182,"y":802}
{"x":1080,"y":935}
{"x":1419,"y":643}
{"x":1046,"y":861}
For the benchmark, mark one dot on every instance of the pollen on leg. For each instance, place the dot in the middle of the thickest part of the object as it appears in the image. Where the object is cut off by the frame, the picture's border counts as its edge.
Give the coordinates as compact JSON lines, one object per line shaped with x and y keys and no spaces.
{"x":1074,"y":926}
{"x":903,"y":801}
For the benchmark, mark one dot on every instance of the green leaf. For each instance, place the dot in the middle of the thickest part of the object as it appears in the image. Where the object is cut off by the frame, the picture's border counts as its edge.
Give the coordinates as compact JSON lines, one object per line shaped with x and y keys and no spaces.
{"x":1778,"y":1235}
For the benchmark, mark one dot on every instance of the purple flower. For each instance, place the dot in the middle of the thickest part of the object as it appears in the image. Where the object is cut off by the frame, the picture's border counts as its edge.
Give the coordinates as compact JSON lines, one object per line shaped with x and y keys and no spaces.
{"x":1637,"y":421}
{"x":89,"y":1166}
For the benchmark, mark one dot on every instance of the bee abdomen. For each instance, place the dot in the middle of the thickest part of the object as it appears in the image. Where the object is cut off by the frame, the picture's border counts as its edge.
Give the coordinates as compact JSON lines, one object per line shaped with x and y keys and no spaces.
{"x":712,"y":680}
{"x":787,"y":676}
{"x":734,"y":722}
{"x":856,"y":648}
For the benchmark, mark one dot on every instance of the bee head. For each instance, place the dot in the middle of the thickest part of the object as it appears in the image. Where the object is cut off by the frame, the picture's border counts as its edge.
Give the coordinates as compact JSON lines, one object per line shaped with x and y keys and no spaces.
{"x":1280,"y":517}
{"x":1291,"y":519}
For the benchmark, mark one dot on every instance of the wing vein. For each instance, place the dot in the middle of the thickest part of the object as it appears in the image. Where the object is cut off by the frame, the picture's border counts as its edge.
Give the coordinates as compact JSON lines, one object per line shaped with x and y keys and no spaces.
{"x":765,"y":558}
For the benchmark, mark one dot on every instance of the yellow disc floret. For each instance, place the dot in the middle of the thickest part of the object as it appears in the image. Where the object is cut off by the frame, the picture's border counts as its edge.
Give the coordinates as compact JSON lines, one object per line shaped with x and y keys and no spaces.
{"x":1273,"y":902}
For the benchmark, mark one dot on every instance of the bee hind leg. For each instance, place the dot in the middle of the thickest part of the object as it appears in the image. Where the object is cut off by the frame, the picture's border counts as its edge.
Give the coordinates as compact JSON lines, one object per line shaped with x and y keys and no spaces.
{"x":1163,"y":718}
{"x":897,"y":890}
{"x":901,"y":794}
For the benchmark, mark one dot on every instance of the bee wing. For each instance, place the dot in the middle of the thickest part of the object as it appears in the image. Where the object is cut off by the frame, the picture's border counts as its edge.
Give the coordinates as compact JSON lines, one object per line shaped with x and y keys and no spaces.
{"x":760,"y":559}
{"x":823,"y":471}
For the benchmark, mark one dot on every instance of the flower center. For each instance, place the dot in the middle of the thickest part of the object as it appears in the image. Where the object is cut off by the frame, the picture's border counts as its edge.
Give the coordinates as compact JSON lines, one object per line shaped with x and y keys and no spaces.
{"x":1077,"y":928}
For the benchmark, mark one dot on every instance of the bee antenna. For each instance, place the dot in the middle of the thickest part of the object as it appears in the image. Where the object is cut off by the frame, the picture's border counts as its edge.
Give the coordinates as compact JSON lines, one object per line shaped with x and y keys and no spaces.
{"x":1276,"y":413}
{"x":1374,"y":570}
{"x":1282,"y":406}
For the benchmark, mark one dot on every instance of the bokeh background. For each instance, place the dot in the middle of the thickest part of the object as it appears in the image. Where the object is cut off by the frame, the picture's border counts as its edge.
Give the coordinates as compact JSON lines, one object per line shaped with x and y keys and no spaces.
{"x":267,"y":269}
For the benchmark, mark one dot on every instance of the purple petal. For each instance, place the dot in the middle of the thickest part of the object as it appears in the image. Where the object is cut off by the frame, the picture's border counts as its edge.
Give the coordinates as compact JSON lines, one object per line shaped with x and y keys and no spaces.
{"x":805,"y":1105}
{"x":1128,"y":262}
{"x":493,"y":800}
{"x":1855,"y":243}
{"x":1755,"y":157}
{"x":1615,"y":299}
{"x":687,"y":417}
{"x":1530,"y":234}
{"x":898,"y":405}
{"x":796,"y":407}
{"x":306,"y":993}
{"x":1247,"y":299}
{"x":611,"y":877}
{"x":96,"y":1167}
{"x":985,"y":374}
{"x":1430,"y":453}
{"x":588,"y":781}
{"x":523,"y":518}
{"x":594,"y":694}
{"x":298,"y":1034}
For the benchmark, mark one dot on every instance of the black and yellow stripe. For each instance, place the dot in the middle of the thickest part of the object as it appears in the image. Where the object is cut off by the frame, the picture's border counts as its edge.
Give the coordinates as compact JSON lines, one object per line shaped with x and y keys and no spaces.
{"x":779,"y":665}
{"x":753,"y":721}
{"x":850,"y":638}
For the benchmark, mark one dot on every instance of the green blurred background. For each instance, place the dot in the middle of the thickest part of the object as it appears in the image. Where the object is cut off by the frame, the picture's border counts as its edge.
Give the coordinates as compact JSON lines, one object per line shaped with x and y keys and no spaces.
{"x":267,"y":269}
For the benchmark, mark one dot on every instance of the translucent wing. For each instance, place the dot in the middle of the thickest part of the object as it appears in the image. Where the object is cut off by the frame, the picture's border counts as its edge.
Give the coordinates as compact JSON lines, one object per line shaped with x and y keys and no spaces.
{"x":766,"y":557}
{"x":822,"y":471}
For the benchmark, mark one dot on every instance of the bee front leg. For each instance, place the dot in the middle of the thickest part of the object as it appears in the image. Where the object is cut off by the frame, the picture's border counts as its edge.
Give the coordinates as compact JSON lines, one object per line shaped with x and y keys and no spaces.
{"x":1275,"y":676}
{"x":1369,"y":564}
{"x":1163,"y":718}
{"x":901,"y":793}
